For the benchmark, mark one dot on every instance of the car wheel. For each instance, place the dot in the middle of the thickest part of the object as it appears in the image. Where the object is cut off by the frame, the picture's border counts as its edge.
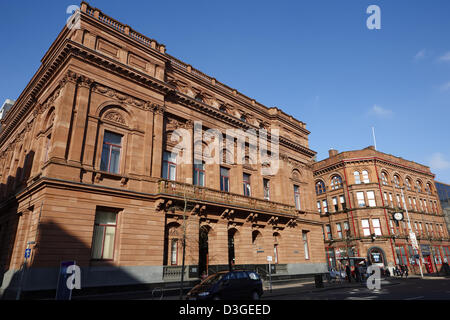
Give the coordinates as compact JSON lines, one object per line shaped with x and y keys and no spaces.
{"x":255,"y":295}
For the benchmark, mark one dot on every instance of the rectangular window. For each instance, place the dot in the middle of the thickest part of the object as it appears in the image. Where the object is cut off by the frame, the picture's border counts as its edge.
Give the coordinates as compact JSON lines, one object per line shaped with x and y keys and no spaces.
{"x":391,"y":200}
{"x":399,"y":203}
{"x":266,"y":185}
{"x":246,"y":183}
{"x":224,"y":179}
{"x":342,"y":200}
{"x":385,"y":199}
{"x":360,"y":198}
{"x":391,"y":225}
{"x":112,"y":145}
{"x":415,"y":204}
{"x":325,"y":206}
{"x":376,"y":227}
{"x":366,"y":227}
{"x":319,"y":208}
{"x":339,"y":230}
{"x":169,"y":166}
{"x":305,"y":244}
{"x":335,"y":204}
{"x":420,"y":228}
{"x":371,"y":199}
{"x":174,"y":252}
{"x":104,"y":235}
{"x":199,"y":174}
{"x":328,"y":230}
{"x":297,"y":197}
{"x":347,"y":228}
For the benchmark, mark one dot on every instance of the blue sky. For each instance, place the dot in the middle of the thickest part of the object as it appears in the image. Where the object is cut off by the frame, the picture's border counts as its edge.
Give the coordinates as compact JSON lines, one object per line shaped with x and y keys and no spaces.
{"x":316,"y":60}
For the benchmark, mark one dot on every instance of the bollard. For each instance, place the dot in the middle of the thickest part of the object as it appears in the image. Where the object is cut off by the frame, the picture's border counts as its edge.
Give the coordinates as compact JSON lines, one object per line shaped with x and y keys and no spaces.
{"x":318,"y":280}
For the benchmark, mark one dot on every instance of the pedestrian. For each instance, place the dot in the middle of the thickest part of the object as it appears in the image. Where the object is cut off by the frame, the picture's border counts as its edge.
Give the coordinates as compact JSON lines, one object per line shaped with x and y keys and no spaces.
{"x":406,"y":271}
{"x":348,"y":272}
{"x":387,"y":272}
{"x":357,"y":274}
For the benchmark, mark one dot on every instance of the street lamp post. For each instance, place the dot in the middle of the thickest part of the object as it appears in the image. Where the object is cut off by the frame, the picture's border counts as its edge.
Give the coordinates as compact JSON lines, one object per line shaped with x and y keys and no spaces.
{"x":411,"y":232}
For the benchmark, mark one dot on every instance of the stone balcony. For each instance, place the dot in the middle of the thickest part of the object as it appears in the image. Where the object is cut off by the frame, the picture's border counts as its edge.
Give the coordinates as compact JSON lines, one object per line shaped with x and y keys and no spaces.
{"x":220,"y":198}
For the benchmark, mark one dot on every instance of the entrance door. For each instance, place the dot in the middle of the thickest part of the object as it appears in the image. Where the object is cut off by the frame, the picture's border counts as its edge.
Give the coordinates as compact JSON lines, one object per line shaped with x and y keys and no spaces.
{"x":203,"y":250}
{"x":429,"y":264}
{"x":231,"y":253}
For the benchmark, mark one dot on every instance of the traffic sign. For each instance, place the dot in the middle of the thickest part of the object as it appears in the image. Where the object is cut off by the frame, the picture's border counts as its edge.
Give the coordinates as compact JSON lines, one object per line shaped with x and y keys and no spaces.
{"x":27,"y":253}
{"x":269,"y":258}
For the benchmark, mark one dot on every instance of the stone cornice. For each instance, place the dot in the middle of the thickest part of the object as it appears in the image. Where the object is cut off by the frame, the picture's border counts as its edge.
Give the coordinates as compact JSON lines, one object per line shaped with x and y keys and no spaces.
{"x":340,"y":164}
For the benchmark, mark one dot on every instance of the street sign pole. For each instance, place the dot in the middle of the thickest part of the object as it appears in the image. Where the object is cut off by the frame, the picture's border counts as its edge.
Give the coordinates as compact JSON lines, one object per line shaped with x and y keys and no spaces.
{"x":269,"y":259}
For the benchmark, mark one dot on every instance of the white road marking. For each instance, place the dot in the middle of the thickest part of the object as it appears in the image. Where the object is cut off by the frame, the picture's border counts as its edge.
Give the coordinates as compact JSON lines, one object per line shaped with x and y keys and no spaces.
{"x":415,"y":298}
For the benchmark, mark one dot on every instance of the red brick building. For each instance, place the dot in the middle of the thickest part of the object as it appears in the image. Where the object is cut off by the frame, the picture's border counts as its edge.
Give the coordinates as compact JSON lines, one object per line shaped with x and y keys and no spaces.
{"x":88,"y":172}
{"x":358,"y":193}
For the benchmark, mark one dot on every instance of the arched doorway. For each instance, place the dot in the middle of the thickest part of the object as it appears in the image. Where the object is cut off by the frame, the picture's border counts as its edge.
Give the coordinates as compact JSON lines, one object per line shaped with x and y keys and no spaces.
{"x":172,"y":244}
{"x":276,"y":248}
{"x":376,"y":256}
{"x":231,"y":248}
{"x":203,"y":256}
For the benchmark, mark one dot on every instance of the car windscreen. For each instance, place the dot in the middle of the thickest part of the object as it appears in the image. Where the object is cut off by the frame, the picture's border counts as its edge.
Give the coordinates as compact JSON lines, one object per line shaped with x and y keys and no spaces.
{"x":213,"y":278}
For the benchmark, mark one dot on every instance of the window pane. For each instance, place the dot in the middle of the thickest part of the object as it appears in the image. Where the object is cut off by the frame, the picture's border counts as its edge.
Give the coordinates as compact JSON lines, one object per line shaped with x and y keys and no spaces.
{"x":97,"y":242}
{"x":115,"y":158}
{"x":172,"y":172}
{"x":165,"y":170}
{"x":113,"y":138}
{"x":103,"y":217}
{"x":105,"y":158}
{"x":108,"y":246}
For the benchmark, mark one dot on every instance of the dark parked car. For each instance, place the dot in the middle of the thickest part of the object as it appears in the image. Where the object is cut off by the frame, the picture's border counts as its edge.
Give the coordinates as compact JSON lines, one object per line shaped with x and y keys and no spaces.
{"x":228,"y":285}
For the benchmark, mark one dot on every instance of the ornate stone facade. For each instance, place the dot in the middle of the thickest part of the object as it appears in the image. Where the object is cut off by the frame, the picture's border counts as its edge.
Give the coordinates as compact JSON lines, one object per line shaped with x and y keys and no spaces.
{"x":83,"y":171}
{"x":358,"y":193}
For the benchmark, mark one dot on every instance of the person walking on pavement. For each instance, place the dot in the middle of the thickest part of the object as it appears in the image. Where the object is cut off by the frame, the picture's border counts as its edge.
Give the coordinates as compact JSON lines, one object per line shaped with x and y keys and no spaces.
{"x":357,"y":273}
{"x":348,"y":272}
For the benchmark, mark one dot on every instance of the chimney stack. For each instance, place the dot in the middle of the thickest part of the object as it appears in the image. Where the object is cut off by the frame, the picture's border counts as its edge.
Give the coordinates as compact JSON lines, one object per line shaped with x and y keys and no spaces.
{"x":332,"y":152}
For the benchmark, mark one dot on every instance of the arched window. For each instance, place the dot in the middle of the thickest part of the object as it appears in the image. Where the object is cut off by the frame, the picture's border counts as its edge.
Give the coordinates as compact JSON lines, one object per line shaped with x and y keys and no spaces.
{"x":428,"y":188}
{"x":336,"y":182}
{"x":384,"y":178}
{"x":396,"y":181}
{"x":320,"y":187}
{"x":419,"y":186}
{"x":365,"y":176}
{"x":408,"y":183}
{"x":357,"y":177}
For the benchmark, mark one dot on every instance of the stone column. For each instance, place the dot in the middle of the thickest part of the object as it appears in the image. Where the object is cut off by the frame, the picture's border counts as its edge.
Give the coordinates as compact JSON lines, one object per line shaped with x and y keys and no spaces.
{"x":187,"y":168}
{"x":64,"y":107}
{"x":158,"y":136}
{"x":79,"y":122}
{"x":218,"y":244}
{"x":148,"y":139}
{"x":192,"y":239}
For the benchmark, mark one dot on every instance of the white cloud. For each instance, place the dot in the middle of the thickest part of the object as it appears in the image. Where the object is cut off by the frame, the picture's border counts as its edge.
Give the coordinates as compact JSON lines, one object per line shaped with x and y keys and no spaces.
{"x":380,"y":112}
{"x":438,"y":162}
{"x":420,"y":55}
{"x":445,"y":57}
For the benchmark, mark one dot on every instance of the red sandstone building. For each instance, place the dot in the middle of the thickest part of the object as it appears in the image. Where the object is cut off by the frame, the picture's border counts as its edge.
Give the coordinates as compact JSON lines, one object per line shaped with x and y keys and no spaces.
{"x":358,"y":193}
{"x":87,"y":171}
